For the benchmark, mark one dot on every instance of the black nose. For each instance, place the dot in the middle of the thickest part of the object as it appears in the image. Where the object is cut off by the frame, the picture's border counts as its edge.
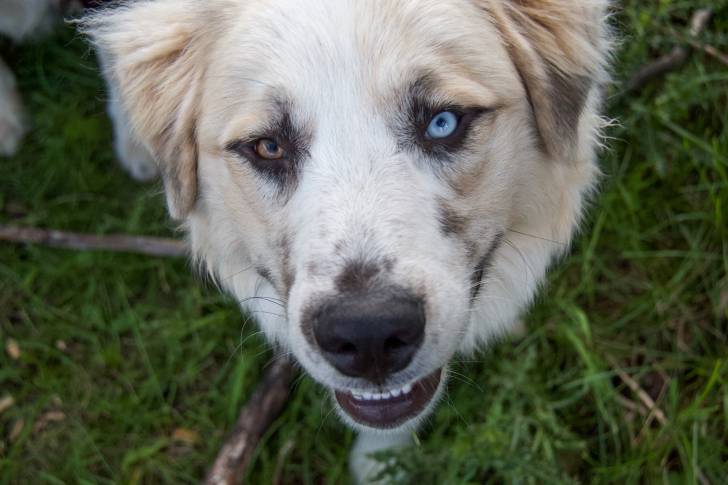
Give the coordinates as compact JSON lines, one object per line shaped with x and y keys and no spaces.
{"x":371,"y":335}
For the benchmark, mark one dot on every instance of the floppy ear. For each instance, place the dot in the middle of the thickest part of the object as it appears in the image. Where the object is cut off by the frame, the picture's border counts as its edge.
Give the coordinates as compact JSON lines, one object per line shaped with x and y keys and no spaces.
{"x":153,"y":54}
{"x":559,"y":48}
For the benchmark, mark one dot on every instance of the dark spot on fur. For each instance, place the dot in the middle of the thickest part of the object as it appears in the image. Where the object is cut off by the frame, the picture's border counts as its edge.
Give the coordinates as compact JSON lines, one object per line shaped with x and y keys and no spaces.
{"x":568,"y":97}
{"x":264,"y":273}
{"x":312,"y":268}
{"x":556,"y":102}
{"x":471,"y":249}
{"x":518,"y":58}
{"x":307,"y":317}
{"x":357,"y":276}
{"x":287,"y":275}
{"x":481,"y":269}
{"x":451,"y":223}
{"x":289,"y":279}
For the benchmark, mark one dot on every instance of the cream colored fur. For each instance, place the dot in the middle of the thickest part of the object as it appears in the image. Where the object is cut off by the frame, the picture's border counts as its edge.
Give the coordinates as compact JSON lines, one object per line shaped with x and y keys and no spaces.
{"x":192,"y":77}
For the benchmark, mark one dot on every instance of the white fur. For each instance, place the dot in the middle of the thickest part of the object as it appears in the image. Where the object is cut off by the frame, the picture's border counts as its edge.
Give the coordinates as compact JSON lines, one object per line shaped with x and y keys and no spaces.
{"x":195,"y":76}
{"x":12,"y":117}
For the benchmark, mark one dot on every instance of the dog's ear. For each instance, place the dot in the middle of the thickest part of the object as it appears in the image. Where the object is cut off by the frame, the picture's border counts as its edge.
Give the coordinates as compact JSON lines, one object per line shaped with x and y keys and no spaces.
{"x":153,"y":55}
{"x":559,"y":48}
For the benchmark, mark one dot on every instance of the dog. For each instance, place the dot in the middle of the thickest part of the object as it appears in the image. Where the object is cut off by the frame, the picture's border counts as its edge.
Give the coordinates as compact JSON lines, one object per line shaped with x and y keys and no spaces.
{"x":384,"y":183}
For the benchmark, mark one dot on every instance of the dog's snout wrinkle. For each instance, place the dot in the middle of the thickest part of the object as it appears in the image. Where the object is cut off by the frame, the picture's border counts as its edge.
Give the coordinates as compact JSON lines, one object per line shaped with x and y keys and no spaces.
{"x":371,"y":335}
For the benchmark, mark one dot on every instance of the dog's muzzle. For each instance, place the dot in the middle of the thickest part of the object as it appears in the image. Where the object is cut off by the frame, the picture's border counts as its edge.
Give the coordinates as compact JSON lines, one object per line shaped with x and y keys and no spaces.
{"x":373,"y":336}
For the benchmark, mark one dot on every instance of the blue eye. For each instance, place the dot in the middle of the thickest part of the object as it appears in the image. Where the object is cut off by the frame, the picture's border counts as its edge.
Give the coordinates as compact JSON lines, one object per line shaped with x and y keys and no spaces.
{"x":442,"y":125}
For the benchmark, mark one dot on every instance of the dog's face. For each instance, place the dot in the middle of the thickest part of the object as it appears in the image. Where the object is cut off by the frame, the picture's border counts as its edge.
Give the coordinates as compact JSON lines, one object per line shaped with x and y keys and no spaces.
{"x":384,"y":182}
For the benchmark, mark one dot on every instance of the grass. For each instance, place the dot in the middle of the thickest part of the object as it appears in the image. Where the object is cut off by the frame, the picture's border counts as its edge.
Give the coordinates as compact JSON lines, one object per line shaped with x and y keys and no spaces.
{"x":149,"y":366}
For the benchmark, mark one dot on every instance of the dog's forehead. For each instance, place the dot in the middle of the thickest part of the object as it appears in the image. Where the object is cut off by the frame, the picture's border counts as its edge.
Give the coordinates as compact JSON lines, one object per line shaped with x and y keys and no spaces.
{"x":331,"y":48}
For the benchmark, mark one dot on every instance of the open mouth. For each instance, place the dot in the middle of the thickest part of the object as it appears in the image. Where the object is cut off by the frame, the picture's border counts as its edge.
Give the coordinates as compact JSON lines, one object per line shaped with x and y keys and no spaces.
{"x":391,"y":408}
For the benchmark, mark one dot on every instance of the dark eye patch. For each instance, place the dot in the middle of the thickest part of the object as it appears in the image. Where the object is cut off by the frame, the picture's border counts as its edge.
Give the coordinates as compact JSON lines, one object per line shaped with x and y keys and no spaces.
{"x":279,"y":170}
{"x":290,"y":140}
{"x":421,"y":116}
{"x":419,"y":110}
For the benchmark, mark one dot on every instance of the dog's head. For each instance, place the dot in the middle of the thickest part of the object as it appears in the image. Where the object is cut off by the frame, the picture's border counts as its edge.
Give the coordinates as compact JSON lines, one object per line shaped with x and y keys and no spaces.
{"x":384,"y":182}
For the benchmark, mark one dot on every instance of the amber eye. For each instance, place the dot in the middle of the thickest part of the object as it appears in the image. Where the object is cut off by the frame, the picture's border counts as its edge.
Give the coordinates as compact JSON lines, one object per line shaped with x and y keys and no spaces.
{"x":269,"y":149}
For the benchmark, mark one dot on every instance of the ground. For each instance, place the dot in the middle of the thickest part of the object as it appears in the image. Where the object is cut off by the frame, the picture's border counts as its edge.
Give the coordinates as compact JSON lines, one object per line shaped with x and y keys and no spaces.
{"x":130,"y":369}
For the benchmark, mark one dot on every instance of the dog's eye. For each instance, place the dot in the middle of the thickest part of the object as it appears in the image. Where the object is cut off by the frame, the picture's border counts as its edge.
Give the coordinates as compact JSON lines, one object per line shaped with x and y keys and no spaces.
{"x":268,"y":149}
{"x":442,"y":125}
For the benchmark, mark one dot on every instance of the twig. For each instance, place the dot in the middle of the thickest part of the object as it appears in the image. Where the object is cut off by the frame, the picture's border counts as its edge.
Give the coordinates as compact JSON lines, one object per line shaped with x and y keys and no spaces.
{"x":651,"y":406}
{"x":711,"y":51}
{"x":282,"y":456}
{"x":261,"y":410}
{"x":631,"y":406}
{"x":150,"y":246}
{"x":672,"y":61}
{"x":652,"y":414}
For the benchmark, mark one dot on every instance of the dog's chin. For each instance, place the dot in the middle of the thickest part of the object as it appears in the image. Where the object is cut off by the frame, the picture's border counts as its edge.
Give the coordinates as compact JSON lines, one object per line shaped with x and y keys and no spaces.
{"x":393,"y":409}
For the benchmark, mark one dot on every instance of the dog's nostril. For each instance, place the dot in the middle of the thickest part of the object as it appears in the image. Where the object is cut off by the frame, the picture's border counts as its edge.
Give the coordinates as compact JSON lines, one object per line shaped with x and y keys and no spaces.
{"x":371,"y":335}
{"x":394,"y":343}
{"x":347,"y":348}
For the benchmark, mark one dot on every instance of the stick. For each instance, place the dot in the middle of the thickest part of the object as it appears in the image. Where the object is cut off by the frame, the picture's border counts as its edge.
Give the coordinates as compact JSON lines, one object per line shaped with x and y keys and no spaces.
{"x":672,"y":61}
{"x":258,"y":414}
{"x":150,"y":246}
{"x":711,"y":51}
{"x":645,"y":398}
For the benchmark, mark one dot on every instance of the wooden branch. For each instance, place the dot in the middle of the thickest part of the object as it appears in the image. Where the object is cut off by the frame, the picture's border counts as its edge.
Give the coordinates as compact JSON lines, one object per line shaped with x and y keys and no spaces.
{"x":150,"y":246}
{"x":672,"y":61}
{"x":262,"y":409}
{"x":634,"y":386}
{"x":711,"y":51}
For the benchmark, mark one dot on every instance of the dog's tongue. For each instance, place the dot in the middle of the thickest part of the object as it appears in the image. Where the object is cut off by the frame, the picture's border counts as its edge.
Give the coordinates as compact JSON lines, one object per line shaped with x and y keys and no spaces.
{"x":394,"y":411}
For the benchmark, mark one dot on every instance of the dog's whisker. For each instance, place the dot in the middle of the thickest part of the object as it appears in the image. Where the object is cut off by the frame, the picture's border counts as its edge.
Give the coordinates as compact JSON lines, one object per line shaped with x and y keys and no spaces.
{"x":331,"y":410}
{"x":528,"y":267}
{"x":263,"y":312}
{"x":264,"y":348}
{"x":251,"y":336}
{"x":297,"y":382}
{"x":540,"y":238}
{"x":239,"y":346}
{"x":275,"y":301}
{"x":446,"y":395}
{"x":465,"y":379}
{"x":237,"y":273}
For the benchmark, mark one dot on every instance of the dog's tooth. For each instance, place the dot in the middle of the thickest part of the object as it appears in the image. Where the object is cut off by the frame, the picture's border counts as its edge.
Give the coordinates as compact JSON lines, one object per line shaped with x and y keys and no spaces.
{"x":396,"y":392}
{"x":357,"y":396}
{"x":407,"y":389}
{"x":367,"y":396}
{"x":377,"y":397}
